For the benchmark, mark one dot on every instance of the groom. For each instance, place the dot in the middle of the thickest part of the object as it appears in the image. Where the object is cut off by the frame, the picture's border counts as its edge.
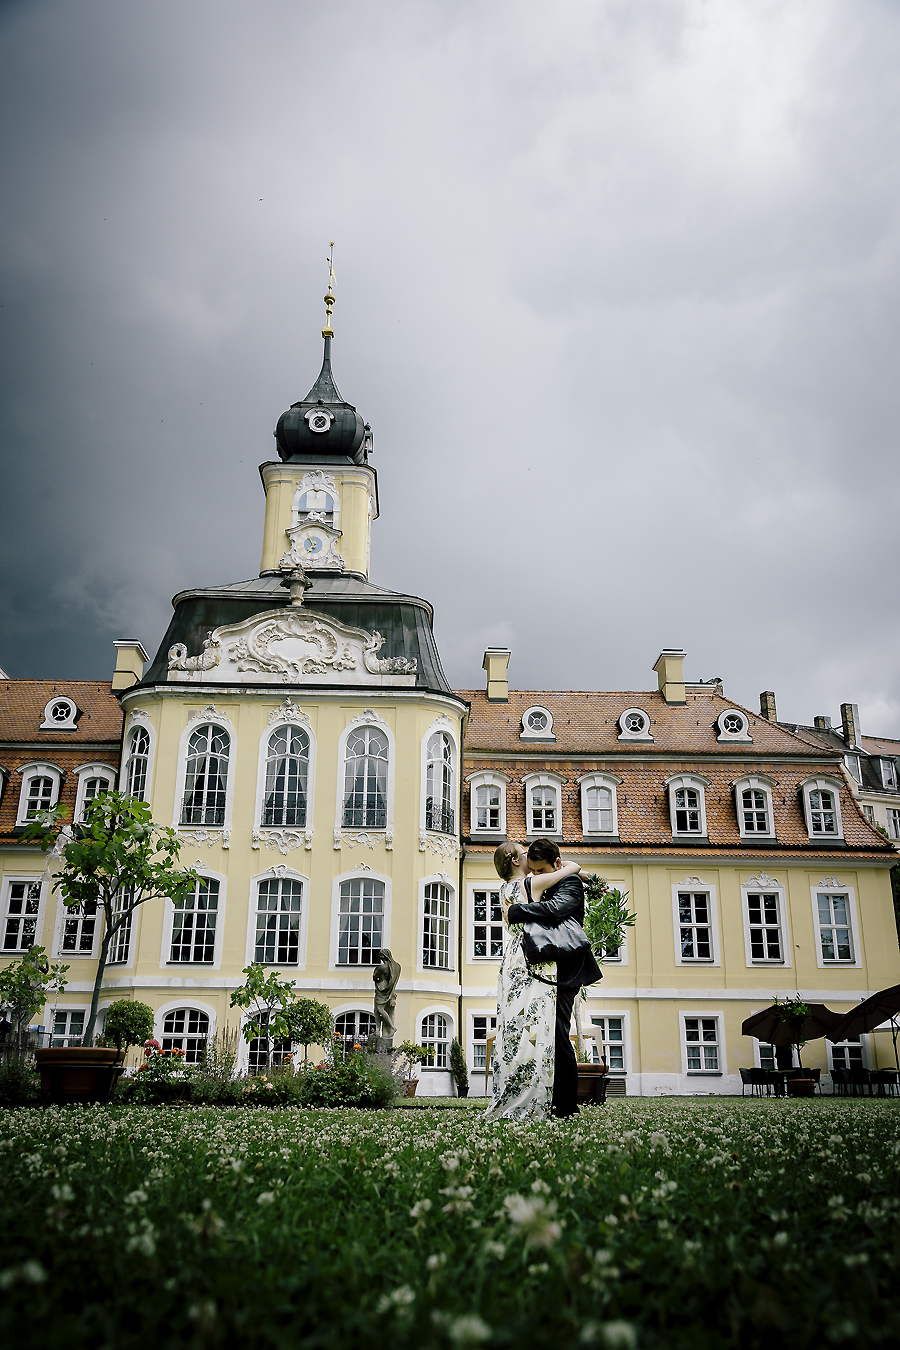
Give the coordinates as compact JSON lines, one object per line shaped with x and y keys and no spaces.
{"x":563,"y":901}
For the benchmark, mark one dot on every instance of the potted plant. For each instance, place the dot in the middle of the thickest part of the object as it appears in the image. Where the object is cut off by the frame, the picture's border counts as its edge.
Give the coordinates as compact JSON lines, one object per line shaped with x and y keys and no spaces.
{"x":793,"y":1013}
{"x":24,"y":986}
{"x":409,"y":1055}
{"x":459,"y":1069}
{"x":127,"y":1023}
{"x":606,"y":916}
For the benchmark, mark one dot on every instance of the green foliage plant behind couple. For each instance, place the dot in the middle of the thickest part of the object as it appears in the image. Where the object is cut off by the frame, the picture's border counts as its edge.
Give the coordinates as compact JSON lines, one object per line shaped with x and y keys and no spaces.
{"x":115,"y":859}
{"x":606,"y":916}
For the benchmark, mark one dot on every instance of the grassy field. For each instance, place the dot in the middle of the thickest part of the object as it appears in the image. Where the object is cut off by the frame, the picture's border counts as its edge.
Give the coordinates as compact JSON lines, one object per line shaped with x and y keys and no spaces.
{"x":669,"y":1224}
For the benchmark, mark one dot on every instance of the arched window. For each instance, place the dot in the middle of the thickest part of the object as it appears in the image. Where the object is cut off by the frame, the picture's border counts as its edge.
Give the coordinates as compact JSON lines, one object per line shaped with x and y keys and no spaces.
{"x":687,"y":804}
{"x":40,"y":796}
{"x":822,"y":808}
{"x":354,"y":1028}
{"x":488,"y":803}
{"x":436,"y":926}
{"x":278,"y":910}
{"x":543,"y":804}
{"x":318,"y":502}
{"x":267,"y":1051}
{"x":287,"y":777}
{"x":186,"y":1029}
{"x":365,"y":779}
{"x":92,"y":780}
{"x":599,"y":814}
{"x":137,"y":763}
{"x":439,"y":812}
{"x":435,"y":1034}
{"x":207,"y":777}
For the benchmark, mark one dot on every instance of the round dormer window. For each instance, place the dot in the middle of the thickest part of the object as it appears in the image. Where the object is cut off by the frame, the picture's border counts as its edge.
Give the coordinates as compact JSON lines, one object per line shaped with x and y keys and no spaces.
{"x":733,"y":725}
{"x":59,"y":715}
{"x":537,"y":724}
{"x":538,"y":721}
{"x":319,"y":419}
{"x":634,"y":725}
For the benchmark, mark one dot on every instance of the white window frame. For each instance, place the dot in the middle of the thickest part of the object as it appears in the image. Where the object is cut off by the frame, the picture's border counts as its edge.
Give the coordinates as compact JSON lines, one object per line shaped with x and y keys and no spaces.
{"x":722,"y":732}
{"x":822,"y":784}
{"x":545,"y":734}
{"x":37,"y":768}
{"x":208,"y":717}
{"x":360,"y":873}
{"x":893,"y":822}
{"x":440,"y":1010}
{"x":165,"y":960}
{"x":599,"y":780}
{"x":644,"y":734}
{"x":707,"y":1013}
{"x":756,"y":782}
{"x":20,"y":878}
{"x":587,"y":1021}
{"x":829,"y":886}
{"x":301,"y":721}
{"x":487,"y":778}
{"x":68,"y":723}
{"x":868,"y":811}
{"x":888,"y":773}
{"x":368,"y":718}
{"x":84,"y":774}
{"x":865,"y":1046}
{"x":343,"y":1008}
{"x":159,"y":1017}
{"x":551,"y":780}
{"x":278,"y":872}
{"x":769,"y":887}
{"x":488,"y":1013}
{"x":134,"y":930}
{"x":853,"y":764}
{"x":694,"y":884}
{"x":474,"y":886}
{"x":136,"y":720}
{"x":63,"y":913}
{"x":445,"y":725}
{"x":699,"y":785}
{"x":442,"y":879}
{"x":50,"y":1012}
{"x":326,"y":484}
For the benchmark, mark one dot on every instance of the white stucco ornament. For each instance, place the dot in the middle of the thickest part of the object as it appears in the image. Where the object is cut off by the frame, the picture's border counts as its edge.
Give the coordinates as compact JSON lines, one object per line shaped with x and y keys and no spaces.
{"x":319,"y":419}
{"x":284,"y":646}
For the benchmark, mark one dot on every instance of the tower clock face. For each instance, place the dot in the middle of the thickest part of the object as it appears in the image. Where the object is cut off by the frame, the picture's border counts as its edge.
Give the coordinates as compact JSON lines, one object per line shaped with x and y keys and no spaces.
{"x":319,"y":419}
{"x":313,"y":543}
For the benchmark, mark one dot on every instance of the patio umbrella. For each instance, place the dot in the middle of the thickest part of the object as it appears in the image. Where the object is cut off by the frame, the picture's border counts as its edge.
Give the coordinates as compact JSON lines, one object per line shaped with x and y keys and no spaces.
{"x":877,"y":1008}
{"x":768,"y":1026}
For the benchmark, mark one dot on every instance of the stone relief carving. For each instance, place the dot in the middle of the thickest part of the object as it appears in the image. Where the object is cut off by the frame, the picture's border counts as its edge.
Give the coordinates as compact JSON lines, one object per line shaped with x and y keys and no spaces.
{"x":284,"y":840}
{"x":207,"y":660}
{"x":313,"y":543}
{"x":440,"y":845}
{"x":363,"y":838}
{"x":288,"y":712}
{"x":209,"y":711}
{"x":367,"y":715}
{"x":138,"y":715}
{"x":763,"y":879}
{"x":830,"y":881}
{"x":692,"y":881}
{"x":207,"y":837}
{"x":390,"y":665}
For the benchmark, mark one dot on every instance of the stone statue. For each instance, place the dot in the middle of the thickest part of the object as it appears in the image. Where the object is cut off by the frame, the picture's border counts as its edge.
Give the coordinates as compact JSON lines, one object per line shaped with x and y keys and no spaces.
{"x":385,"y":975}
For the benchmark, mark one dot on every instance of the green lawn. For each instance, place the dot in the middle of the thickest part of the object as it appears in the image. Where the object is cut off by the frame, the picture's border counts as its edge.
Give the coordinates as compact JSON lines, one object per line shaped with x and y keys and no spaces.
{"x":663,"y":1224}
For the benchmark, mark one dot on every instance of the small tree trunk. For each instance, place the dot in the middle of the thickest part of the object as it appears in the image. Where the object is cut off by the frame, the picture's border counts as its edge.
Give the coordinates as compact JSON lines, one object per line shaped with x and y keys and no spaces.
{"x":88,"y":1036}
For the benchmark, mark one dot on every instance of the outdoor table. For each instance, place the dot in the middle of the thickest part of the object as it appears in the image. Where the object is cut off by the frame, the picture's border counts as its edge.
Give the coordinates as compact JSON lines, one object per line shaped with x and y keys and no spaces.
{"x":885,"y":1081}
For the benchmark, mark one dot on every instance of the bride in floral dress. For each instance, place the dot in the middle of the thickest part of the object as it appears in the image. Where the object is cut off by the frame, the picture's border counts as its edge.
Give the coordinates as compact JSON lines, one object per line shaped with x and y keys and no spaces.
{"x":524,"y":1047}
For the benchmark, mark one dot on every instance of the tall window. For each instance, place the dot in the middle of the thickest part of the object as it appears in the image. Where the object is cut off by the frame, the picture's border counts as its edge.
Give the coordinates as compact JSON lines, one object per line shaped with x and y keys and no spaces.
{"x":207,"y":777}
{"x":68,"y":1027}
{"x":888,"y":773}
{"x":92,"y":788}
{"x":434,"y":1034}
{"x":755,"y":811}
{"x":868,"y":812}
{"x":287,"y":775}
{"x":40,"y":796}
{"x":487,"y":931}
{"x":893,"y":823}
{"x":701,"y":1036}
{"x":186,"y":1029}
{"x":482,"y":1028}
{"x":835,"y":937}
{"x":822,"y":816}
{"x":612,"y":1031}
{"x":436,"y":926}
{"x":267,"y":1049}
{"x":79,"y":927}
{"x":194,"y":924}
{"x":120,"y":945}
{"x":365,"y":779}
{"x":599,"y":810}
{"x":543,"y":810}
{"x":687,"y":811}
{"x":278,"y":909}
{"x":439,"y":812}
{"x":354,"y":1028}
{"x":137,"y":763}
{"x":360,"y":919}
{"x":695,"y":926}
{"x":848,"y":1054}
{"x":764,"y":918}
{"x":487,"y":806}
{"x":22,"y":912}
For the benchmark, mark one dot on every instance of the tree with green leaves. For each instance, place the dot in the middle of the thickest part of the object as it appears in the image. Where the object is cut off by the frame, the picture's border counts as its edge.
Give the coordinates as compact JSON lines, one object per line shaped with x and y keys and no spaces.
{"x":23,"y":993}
{"x":115,"y":859}
{"x":128,"y":1023}
{"x":308,"y":1022}
{"x":266,"y":999}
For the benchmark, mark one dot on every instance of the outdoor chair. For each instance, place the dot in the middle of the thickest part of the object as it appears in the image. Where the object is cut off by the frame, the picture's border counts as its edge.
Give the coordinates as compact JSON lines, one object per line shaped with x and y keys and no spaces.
{"x":757,"y":1080}
{"x":841,"y":1082}
{"x":886,"y":1081}
{"x":860,"y":1080}
{"x":816,"y":1076}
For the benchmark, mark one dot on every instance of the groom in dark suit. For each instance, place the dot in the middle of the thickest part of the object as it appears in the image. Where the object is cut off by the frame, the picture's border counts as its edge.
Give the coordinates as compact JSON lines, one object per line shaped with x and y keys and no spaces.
{"x":563,"y":901}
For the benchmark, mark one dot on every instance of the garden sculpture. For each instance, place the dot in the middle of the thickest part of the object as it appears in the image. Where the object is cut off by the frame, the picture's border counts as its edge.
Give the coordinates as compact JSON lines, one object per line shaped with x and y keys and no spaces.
{"x":385,"y":975}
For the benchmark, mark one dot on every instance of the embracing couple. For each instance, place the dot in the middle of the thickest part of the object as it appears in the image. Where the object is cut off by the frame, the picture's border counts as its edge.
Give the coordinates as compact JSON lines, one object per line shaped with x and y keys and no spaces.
{"x":535,"y":1072}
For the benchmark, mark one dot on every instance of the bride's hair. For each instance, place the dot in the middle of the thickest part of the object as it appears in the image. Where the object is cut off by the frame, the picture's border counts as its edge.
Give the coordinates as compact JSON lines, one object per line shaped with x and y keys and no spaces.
{"x":506,"y":860}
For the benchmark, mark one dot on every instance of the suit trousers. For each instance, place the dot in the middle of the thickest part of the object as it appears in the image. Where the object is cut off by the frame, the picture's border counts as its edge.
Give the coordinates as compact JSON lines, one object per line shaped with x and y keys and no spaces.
{"x":565,"y":1067}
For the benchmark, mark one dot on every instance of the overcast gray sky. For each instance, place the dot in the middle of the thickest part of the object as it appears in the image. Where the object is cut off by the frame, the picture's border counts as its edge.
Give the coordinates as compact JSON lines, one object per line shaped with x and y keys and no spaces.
{"x":618,"y":286}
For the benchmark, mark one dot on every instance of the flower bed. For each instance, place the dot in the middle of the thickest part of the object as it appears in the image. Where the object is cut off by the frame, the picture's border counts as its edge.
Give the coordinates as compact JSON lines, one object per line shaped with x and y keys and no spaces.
{"x":668,"y":1225}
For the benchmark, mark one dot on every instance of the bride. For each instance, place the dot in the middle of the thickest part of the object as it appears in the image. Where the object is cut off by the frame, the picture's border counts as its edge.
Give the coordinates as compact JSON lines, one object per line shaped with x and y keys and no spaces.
{"x":524,"y":1047}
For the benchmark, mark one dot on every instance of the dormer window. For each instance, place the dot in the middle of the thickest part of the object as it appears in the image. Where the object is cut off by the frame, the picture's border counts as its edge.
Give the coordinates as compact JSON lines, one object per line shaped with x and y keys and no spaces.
{"x":733,"y":725}
{"x":487,"y":812}
{"x":853,"y":767}
{"x":822,"y":809}
{"x":41,"y":784}
{"x":889,"y":773}
{"x":634,"y":725}
{"x":543,"y":805}
{"x":92,"y":780}
{"x":687,"y":805}
{"x":537,"y":725}
{"x":753,"y":807}
{"x":598,"y":804}
{"x":60,"y":714}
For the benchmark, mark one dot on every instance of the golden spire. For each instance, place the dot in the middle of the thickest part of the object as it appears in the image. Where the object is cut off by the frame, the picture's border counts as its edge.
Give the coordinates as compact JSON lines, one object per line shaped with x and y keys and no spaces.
{"x":328,"y":331}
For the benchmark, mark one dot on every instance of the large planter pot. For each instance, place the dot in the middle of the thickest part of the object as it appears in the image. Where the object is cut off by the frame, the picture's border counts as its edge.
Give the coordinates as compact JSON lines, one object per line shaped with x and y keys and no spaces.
{"x":592,"y":1084}
{"x":801,"y":1087}
{"x":77,"y":1075}
{"x":462,"y":1091}
{"x":411,"y":1085}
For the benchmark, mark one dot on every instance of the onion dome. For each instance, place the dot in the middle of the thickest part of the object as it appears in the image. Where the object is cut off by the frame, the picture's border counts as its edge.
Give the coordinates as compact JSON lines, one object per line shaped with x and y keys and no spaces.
{"x":323,"y":424}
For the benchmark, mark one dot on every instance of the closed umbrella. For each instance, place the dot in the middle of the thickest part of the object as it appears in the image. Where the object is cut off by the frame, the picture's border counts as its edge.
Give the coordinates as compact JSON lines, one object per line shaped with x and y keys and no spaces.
{"x":771,"y":1026}
{"x":877,"y":1008}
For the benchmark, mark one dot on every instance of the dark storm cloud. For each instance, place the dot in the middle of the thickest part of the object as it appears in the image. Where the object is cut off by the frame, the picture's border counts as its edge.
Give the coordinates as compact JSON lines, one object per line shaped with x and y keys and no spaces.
{"x":617,"y":287}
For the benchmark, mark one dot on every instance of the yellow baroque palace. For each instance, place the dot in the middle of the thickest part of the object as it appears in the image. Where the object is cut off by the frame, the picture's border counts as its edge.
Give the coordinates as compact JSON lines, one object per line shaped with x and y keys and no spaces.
{"x":337,"y":798}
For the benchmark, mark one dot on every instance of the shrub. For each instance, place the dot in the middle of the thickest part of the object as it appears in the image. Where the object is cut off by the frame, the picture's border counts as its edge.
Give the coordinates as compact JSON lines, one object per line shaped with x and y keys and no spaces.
{"x":20,"y":1084}
{"x":127,"y":1023}
{"x":358,"y":1080}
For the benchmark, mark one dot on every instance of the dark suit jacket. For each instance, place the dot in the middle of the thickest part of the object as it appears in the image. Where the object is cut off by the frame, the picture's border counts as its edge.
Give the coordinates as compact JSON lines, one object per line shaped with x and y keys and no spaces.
{"x":565,"y":900}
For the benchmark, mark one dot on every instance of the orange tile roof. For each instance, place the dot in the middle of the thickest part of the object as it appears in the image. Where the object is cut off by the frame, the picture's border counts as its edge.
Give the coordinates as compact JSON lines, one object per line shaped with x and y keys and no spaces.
{"x":22,"y":704}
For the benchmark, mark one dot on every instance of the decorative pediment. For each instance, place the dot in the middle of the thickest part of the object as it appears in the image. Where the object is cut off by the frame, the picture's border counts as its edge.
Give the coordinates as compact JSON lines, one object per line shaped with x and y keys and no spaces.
{"x":291,"y":646}
{"x":314,"y":545}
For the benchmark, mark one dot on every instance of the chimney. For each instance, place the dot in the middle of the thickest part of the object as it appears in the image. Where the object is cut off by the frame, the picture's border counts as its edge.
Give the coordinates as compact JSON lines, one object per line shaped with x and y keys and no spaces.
{"x":130,"y":658}
{"x":670,"y":670}
{"x":496,"y":661}
{"x":822,"y":723}
{"x":850,"y":723}
{"x":767,"y":706}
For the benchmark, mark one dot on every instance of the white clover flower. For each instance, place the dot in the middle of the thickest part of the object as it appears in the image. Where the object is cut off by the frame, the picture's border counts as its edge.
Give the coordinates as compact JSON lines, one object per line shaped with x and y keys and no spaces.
{"x":619,"y":1335}
{"x":63,"y":1192}
{"x":468,"y":1330}
{"x":419,"y":1208}
{"x":266,"y":1198}
{"x":29,"y":1272}
{"x":437,"y":1260}
{"x":137,"y":1197}
{"x":534,"y":1218}
{"x":401,"y":1298}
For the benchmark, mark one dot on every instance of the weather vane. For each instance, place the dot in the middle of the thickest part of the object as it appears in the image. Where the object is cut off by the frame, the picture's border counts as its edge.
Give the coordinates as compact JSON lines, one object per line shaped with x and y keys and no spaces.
{"x":328,"y":331}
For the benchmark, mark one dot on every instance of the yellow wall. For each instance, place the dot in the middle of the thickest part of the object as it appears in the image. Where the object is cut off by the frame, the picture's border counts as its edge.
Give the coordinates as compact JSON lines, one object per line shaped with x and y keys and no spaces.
{"x":356,"y":489}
